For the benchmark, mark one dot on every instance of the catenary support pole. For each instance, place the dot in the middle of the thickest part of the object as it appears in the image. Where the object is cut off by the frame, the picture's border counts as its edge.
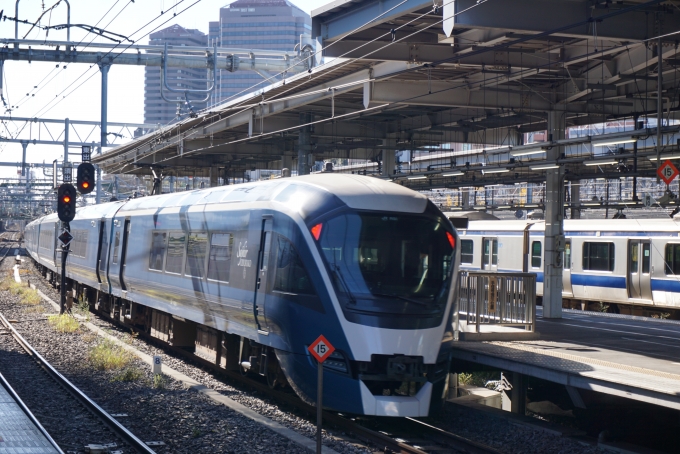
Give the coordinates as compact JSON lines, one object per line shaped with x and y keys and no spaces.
{"x":62,"y":285}
{"x":576,"y":199}
{"x":98,"y":194}
{"x":104,"y":102}
{"x":24,"y":145}
{"x":554,"y":216}
{"x":67,"y":126}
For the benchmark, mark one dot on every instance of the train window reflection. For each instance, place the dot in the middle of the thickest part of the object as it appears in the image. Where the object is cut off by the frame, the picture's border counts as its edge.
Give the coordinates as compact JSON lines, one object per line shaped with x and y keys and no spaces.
{"x":466,"y":251}
{"x":672,"y":259}
{"x":598,"y":256}
{"x":291,"y":276}
{"x":646,"y":257}
{"x":387,"y":256}
{"x":567,"y":256}
{"x":219,"y":261}
{"x":536,"y":254}
{"x":157,"y":252}
{"x":173,"y":264}
{"x":116,"y":245}
{"x":196,"y":250}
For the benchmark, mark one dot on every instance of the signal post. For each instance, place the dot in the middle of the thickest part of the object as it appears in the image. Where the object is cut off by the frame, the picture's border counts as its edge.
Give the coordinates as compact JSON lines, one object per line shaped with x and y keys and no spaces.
{"x":66,"y":210}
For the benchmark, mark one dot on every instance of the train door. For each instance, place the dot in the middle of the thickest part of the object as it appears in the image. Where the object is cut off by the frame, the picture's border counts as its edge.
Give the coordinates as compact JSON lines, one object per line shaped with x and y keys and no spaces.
{"x":260,"y":300}
{"x":123,"y":254}
{"x":102,"y":249}
{"x":566,"y":271}
{"x":490,"y":254}
{"x":639,"y":269}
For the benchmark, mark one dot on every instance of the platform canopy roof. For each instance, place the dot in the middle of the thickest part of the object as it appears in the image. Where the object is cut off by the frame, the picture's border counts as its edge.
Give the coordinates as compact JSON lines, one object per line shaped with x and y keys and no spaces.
{"x":418,"y":75}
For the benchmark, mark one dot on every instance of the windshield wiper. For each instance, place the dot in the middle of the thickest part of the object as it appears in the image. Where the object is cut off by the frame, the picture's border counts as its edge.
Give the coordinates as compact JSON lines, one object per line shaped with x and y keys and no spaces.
{"x":338,"y":275}
{"x":403,"y":298}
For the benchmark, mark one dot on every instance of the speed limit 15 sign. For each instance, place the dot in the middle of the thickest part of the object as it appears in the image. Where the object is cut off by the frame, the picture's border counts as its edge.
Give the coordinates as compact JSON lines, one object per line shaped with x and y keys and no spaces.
{"x":321,"y":349}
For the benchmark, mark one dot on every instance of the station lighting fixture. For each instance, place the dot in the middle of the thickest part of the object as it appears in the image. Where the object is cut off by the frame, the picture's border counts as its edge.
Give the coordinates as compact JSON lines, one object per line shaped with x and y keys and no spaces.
{"x":606,"y":142}
{"x":457,"y":173}
{"x":419,"y":177}
{"x":592,"y":204}
{"x":485,"y":171}
{"x":529,"y":150}
{"x":531,"y":205}
{"x":667,"y":156}
{"x":602,"y":162}
{"x":545,"y":167}
{"x":504,"y":207}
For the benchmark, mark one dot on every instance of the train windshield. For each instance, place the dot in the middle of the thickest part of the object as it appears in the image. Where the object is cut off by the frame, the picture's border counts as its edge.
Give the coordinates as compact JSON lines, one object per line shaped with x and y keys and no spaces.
{"x":376,"y":257}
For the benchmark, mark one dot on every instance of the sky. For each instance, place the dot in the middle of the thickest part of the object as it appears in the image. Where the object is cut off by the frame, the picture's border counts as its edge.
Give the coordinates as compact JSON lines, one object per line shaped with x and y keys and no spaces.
{"x":54,"y":99}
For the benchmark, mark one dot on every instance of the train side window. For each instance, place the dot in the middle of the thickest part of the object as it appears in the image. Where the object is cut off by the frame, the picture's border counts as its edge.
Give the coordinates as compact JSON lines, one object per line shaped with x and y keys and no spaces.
{"x":536,"y":254}
{"x":219,"y":260}
{"x":175,"y":254}
{"x":197,"y":246}
{"x":157,"y":251}
{"x":646,"y":257}
{"x":291,"y":276}
{"x":672,"y":259}
{"x":105,"y":247}
{"x":567,"y":255}
{"x":116,"y":244}
{"x":490,"y":252}
{"x":466,"y":251}
{"x":598,"y":256}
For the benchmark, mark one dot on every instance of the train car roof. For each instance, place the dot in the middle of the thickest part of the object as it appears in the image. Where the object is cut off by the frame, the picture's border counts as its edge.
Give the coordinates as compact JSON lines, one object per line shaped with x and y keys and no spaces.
{"x":582,"y":225}
{"x":356,"y":191}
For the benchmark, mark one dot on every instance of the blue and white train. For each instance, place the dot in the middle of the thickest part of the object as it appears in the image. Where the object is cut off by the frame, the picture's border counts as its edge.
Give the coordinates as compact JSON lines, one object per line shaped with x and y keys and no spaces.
{"x":248,"y":276}
{"x":634,"y":264}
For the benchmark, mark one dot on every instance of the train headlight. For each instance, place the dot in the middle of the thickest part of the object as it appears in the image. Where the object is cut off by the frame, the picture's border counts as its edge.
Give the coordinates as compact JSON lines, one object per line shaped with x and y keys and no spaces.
{"x":336,"y":362}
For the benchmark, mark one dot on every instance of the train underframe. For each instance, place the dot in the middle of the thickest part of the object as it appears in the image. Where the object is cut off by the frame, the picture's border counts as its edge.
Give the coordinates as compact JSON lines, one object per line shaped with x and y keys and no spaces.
{"x":385,"y":375}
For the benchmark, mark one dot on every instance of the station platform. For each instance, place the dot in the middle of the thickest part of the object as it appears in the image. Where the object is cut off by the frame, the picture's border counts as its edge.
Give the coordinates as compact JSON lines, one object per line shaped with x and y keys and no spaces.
{"x":20,"y":432}
{"x":622,"y":355}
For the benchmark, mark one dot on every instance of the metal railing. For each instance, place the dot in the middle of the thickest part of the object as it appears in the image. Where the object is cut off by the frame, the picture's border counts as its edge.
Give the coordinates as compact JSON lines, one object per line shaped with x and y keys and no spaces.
{"x":497,"y":299}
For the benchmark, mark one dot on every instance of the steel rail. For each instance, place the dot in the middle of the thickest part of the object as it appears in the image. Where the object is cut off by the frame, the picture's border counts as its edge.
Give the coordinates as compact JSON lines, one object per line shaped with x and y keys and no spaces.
{"x":455,"y":442}
{"x":88,"y":403}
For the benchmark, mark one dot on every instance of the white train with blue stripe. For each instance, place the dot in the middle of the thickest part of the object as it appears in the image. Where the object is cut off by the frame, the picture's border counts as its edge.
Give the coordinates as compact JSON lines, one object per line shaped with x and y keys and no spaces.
{"x":632,"y":263}
{"x":248,"y":276}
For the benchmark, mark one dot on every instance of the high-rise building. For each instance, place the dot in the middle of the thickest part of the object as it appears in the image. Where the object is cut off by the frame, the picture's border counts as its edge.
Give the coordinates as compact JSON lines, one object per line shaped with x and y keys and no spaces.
{"x":157,"y":110}
{"x":255,"y":24}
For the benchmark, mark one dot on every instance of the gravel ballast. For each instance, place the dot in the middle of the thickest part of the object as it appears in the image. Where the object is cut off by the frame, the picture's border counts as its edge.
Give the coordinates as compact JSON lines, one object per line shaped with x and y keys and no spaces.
{"x":186,"y":421}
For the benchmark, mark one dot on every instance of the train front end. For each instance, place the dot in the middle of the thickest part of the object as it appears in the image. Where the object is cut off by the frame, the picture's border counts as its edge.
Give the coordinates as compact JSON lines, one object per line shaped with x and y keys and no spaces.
{"x":390,"y":265}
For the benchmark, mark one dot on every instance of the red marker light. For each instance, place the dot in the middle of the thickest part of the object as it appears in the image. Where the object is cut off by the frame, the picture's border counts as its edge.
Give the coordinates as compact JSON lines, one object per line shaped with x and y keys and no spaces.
{"x":452,"y":240}
{"x":67,"y":199}
{"x":316,"y":231}
{"x":86,"y":185}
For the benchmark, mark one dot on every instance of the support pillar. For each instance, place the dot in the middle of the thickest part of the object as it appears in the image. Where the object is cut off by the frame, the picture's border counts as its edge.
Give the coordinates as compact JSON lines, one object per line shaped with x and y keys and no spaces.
{"x":388,"y":158}
{"x":304,"y":144}
{"x":576,"y":199}
{"x":465,"y":203}
{"x":514,"y":395}
{"x":172,"y":183}
{"x":554,"y":222}
{"x":105,"y":102}
{"x":286,"y":163}
{"x":214,"y":173}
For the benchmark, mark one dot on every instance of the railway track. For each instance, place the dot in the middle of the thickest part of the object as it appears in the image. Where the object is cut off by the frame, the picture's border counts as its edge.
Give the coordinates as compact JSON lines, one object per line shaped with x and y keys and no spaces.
{"x":391,"y":435}
{"x":121,"y":431}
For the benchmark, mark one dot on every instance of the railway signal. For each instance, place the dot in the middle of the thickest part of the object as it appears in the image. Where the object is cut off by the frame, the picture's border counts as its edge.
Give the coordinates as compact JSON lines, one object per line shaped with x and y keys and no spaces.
{"x":66,"y":202}
{"x":85,"y":178}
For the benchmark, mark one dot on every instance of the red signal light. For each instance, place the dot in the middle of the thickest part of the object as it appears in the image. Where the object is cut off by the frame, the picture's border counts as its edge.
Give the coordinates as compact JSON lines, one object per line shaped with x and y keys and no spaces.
{"x":86,"y":184}
{"x":316,"y":231}
{"x":67,"y":199}
{"x":452,"y":240}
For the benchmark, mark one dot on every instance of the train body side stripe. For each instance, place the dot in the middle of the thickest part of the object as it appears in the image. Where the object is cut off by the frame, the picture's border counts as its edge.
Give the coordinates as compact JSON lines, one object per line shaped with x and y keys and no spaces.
{"x":590,"y":280}
{"x":666,"y":285}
